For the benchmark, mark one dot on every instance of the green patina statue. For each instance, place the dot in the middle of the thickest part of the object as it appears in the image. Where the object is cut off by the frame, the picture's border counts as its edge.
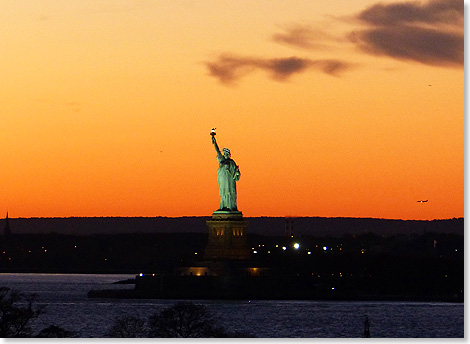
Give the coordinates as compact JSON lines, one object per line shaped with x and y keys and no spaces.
{"x":228,"y":175}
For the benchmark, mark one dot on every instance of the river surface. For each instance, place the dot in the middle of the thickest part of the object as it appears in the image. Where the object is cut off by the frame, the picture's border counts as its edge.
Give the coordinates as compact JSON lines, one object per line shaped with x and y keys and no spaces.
{"x":67,"y":306}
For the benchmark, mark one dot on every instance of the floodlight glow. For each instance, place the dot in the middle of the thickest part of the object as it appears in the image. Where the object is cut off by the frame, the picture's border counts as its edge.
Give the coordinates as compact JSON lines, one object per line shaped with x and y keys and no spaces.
{"x":296,"y":246}
{"x":325,"y":248}
{"x":284,"y":248}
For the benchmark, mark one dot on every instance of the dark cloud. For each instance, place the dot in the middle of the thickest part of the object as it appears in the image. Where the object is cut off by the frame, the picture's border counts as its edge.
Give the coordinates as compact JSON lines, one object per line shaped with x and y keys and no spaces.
{"x":423,"y":45}
{"x":284,"y":67}
{"x":434,"y":12}
{"x":230,"y":68}
{"x":430,"y":33}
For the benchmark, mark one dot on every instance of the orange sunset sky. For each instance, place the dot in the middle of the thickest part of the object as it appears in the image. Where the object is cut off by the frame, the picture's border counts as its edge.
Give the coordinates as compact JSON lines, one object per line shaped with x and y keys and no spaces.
{"x":330,"y":108}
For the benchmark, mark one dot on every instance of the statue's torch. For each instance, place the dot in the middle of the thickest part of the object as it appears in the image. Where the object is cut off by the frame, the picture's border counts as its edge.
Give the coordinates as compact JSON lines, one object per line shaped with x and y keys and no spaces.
{"x":213,"y":132}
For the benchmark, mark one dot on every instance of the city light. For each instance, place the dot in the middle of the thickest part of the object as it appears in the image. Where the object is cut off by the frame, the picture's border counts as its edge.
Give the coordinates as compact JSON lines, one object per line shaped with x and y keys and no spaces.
{"x":325,"y":248}
{"x":296,"y":246}
{"x":284,"y":248}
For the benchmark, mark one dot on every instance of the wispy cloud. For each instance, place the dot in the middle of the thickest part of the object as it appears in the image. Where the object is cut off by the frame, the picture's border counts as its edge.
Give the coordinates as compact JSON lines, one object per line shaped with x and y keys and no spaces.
{"x":427,"y":32}
{"x":302,"y":36}
{"x":430,"y":33}
{"x":230,"y":68}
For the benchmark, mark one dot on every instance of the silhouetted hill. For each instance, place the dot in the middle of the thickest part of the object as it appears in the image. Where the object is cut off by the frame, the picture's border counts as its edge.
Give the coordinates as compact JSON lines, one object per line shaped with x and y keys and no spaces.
{"x":271,"y":226}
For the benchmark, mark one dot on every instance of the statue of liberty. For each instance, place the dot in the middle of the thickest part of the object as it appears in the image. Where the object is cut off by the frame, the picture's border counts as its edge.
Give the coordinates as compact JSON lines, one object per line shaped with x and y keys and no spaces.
{"x":228,"y":174}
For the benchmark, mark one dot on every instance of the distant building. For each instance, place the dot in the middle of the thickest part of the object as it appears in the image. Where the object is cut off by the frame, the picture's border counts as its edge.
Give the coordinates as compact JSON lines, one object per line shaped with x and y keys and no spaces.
{"x":289,"y":229}
{"x":7,"y":230}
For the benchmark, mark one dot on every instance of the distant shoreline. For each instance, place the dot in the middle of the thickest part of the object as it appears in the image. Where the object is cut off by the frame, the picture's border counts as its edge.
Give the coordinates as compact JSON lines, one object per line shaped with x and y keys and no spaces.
{"x":133,"y":294}
{"x":271,"y":226}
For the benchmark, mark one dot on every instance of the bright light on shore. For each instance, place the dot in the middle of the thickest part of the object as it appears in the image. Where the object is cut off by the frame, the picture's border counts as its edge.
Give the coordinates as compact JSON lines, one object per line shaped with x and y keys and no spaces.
{"x":296,"y":246}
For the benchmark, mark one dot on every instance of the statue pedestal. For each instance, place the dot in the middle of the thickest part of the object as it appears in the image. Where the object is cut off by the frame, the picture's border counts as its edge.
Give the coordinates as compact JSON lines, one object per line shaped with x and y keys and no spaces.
{"x":227,"y":237}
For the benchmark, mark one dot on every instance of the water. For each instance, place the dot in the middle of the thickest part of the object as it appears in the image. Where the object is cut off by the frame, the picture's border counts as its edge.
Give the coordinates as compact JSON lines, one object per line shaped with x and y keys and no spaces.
{"x":68,"y":307}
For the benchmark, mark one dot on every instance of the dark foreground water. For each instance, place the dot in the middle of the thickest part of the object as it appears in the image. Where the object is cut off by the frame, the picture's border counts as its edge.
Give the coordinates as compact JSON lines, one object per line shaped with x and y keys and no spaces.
{"x":68,"y":307}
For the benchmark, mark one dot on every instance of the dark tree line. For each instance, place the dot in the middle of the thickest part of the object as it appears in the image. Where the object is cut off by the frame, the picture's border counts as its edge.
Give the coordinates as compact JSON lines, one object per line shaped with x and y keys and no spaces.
{"x":182,"y":320}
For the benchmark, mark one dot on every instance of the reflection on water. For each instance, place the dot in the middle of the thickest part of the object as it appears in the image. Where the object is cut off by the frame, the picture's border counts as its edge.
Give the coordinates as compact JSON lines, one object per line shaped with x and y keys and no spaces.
{"x":69,"y":307}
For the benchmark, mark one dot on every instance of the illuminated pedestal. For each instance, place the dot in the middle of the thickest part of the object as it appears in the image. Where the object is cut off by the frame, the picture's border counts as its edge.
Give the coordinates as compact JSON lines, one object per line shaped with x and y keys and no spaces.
{"x":227,"y":237}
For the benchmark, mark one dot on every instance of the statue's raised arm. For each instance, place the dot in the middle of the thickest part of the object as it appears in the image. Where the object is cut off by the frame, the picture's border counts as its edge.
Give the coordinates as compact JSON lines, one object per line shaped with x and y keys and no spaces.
{"x":214,"y":142}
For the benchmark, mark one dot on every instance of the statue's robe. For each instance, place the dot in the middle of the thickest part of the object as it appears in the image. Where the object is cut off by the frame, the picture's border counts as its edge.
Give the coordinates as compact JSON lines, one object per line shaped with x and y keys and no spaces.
{"x":228,"y":175}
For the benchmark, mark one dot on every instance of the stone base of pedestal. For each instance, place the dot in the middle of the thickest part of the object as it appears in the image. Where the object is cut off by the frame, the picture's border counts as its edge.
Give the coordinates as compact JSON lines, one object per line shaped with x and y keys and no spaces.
{"x":227,"y":237}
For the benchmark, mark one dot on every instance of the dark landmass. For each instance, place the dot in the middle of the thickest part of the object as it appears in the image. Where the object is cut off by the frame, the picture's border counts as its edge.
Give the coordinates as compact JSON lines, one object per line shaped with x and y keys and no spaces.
{"x":270,"y":226}
{"x":262,"y":288}
{"x":357,"y":259}
{"x":426,"y":267}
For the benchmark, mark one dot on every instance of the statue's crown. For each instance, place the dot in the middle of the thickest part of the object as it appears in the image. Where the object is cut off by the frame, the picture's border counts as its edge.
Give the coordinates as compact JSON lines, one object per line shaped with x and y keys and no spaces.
{"x":226,"y":150}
